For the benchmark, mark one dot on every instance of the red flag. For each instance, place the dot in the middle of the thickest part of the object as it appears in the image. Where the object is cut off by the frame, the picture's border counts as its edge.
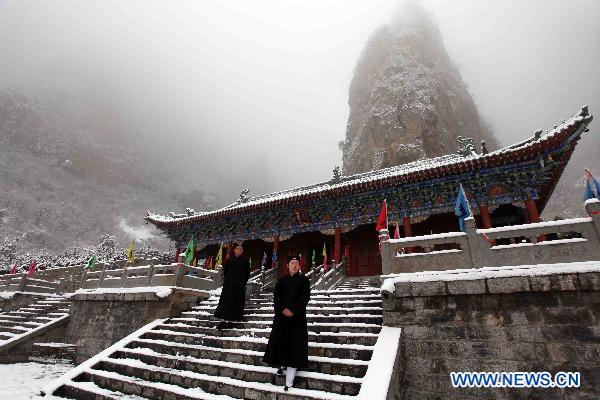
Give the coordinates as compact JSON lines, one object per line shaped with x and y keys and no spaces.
{"x":301,"y":263}
{"x":397,"y":232}
{"x":382,"y":221}
{"x":208,"y":262}
{"x":13,"y":268}
{"x":487,"y":238}
{"x":32,"y":268}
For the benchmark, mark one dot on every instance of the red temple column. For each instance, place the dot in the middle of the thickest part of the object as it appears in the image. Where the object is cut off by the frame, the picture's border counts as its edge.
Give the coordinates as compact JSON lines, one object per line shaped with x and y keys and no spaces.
{"x":177,"y":251}
{"x":407,"y":231}
{"x":229,"y":250}
{"x":486,"y":219}
{"x":533,"y":215}
{"x":337,"y":249}
{"x":484,"y":212}
{"x":276,"y":250}
{"x":276,"y":245}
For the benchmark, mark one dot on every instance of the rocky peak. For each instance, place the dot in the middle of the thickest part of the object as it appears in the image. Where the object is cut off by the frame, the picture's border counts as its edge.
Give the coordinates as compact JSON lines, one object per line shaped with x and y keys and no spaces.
{"x":407,"y":99}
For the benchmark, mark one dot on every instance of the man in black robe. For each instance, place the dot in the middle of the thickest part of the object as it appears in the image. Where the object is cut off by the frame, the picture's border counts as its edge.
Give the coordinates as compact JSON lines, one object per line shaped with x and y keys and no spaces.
{"x":288,"y":343}
{"x":236,"y":272}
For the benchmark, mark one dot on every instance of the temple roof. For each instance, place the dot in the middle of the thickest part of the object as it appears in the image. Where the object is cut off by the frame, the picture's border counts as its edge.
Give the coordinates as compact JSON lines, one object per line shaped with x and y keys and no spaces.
{"x":420,"y":170}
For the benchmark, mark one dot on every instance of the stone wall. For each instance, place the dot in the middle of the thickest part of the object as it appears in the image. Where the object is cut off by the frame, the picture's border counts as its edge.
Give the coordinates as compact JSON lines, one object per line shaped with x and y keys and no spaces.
{"x":22,"y":351}
{"x":99,"y":320}
{"x":520,"y":323}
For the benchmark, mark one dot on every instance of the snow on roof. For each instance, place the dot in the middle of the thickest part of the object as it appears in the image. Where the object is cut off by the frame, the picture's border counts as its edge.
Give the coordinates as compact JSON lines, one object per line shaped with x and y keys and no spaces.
{"x":377,"y":175}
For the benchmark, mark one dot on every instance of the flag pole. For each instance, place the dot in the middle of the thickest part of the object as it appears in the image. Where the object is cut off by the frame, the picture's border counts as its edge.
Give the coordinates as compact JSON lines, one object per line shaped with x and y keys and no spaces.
{"x":387,"y":224}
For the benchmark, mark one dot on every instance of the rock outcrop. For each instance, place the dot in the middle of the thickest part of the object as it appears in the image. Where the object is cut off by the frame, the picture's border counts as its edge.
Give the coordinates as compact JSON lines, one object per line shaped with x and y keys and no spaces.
{"x":407,"y":98}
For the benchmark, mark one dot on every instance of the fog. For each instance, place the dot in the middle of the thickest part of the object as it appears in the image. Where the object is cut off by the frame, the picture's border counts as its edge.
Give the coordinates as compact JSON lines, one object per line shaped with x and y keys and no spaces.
{"x":255,"y":93}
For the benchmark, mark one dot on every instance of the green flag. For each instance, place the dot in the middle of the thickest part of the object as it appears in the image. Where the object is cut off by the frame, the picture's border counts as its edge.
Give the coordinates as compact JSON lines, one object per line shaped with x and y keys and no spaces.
{"x":91,"y":263}
{"x":189,"y":252}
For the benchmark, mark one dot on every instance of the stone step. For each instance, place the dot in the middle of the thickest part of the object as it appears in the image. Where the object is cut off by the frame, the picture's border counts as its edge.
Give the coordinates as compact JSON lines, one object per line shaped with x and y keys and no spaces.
{"x":249,"y":373}
{"x":138,"y":375}
{"x":130,"y":389}
{"x":316,"y":303}
{"x":335,"y":366}
{"x":370,"y":302}
{"x":14,"y":329}
{"x":11,"y":323}
{"x":354,"y":318}
{"x":321,"y":310}
{"x":329,"y":297}
{"x":367,"y":339}
{"x":334,"y":350}
{"x":314,"y":326}
{"x":87,"y":391}
{"x":7,"y":335}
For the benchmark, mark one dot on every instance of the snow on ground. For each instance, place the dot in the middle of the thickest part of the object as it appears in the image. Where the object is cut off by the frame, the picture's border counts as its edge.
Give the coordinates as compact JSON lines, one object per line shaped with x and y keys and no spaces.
{"x":25,"y":380}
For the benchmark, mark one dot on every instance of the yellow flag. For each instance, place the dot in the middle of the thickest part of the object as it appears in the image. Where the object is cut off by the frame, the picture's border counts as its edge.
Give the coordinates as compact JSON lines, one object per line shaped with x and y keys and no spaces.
{"x":130,"y":250}
{"x":219,"y":259}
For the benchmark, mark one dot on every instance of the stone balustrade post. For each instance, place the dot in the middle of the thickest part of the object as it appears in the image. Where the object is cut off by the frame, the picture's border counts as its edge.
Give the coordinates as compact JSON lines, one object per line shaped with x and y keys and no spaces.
{"x":475,"y":245}
{"x":592,"y":208}
{"x":102,"y":277}
{"x":179,"y":274}
{"x":150,"y":273}
{"x":123,"y":276}
{"x":22,"y":283}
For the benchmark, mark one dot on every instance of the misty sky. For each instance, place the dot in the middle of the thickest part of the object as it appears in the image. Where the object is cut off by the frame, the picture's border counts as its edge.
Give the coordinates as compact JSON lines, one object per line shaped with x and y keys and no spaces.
{"x":255,"y":93}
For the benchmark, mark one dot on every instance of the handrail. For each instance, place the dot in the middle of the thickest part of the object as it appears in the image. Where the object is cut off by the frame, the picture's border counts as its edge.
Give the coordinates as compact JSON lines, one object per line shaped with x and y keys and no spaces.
{"x":177,"y":275}
{"x":331,"y":278}
{"x":24,"y":283}
{"x":576,"y":239}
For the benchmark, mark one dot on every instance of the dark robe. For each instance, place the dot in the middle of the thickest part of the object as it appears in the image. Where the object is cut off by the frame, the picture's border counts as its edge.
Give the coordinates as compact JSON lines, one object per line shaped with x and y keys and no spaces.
{"x":236,"y":272}
{"x":288,"y":342}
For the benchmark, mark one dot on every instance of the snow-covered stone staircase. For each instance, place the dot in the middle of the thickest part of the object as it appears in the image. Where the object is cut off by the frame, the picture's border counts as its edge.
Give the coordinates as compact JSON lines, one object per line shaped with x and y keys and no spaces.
{"x":188,"y":358}
{"x":29,"y":320}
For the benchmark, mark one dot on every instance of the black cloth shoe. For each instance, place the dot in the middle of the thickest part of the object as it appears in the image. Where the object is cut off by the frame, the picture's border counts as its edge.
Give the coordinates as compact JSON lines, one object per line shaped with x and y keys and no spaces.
{"x":279,"y":371}
{"x":285,"y":388}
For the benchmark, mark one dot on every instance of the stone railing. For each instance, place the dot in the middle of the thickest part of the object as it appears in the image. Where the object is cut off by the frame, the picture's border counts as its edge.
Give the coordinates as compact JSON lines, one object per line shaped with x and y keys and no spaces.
{"x":262,"y":279}
{"x":173,"y":275}
{"x":331,"y":278}
{"x":315,"y":275}
{"x":571,"y":240}
{"x":23,"y":283}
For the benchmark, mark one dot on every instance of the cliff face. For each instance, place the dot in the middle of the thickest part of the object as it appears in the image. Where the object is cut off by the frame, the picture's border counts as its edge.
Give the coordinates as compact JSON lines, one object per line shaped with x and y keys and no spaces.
{"x":407,"y":99}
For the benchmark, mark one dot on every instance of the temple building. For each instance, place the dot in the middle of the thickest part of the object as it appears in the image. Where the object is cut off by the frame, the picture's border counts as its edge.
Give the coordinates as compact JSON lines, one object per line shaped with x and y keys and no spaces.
{"x":508,"y":186}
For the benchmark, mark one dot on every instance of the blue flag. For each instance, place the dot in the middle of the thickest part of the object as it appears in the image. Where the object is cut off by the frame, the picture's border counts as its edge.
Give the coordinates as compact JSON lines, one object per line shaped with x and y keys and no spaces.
{"x":589,"y":190}
{"x":462,"y":208}
{"x":274,"y":260}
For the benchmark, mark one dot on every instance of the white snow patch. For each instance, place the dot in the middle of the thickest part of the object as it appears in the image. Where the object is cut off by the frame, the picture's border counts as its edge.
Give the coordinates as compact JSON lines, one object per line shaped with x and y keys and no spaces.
{"x":24,"y":380}
{"x":379,"y":373}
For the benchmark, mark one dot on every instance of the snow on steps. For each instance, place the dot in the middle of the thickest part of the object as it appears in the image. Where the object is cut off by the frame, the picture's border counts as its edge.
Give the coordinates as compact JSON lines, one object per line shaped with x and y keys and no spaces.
{"x":187,"y":358}
{"x":29,"y":321}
